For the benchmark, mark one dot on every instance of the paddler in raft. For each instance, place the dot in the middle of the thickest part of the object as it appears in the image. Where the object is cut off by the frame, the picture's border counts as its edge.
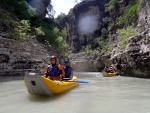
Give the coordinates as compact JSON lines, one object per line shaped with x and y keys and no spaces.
{"x":54,"y":71}
{"x":110,"y":69}
{"x":68,"y":69}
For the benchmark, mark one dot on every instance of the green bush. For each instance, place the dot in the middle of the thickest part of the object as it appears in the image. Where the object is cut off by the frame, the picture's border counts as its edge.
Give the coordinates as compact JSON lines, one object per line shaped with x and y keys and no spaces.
{"x":110,"y":26}
{"x":125,"y":33}
{"x":3,"y":15}
{"x":111,"y":5}
{"x":104,"y":32}
{"x":130,"y":13}
{"x":106,"y":20}
{"x":96,"y":42}
{"x":39,"y":31}
{"x":88,"y":49}
{"x":22,"y":29}
{"x":105,"y":48}
{"x":19,"y":7}
{"x":25,"y":22}
{"x":63,"y":32}
{"x":96,"y":52}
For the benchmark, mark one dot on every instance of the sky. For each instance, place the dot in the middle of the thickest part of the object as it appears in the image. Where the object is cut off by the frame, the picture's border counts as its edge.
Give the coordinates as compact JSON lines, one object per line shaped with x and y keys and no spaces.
{"x":62,"y":6}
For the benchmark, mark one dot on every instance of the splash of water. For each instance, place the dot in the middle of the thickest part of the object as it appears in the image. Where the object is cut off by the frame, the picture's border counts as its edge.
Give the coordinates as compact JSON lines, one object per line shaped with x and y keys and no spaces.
{"x":88,"y":24}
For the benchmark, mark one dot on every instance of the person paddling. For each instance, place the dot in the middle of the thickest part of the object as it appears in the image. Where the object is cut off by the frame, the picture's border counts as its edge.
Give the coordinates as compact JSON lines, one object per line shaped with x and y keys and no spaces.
{"x":68,"y":69}
{"x":111,"y":69}
{"x":54,"y":71}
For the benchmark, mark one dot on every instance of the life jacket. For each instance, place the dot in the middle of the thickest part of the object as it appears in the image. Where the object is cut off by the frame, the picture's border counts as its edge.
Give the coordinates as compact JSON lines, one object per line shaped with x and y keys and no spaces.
{"x":67,"y":71}
{"x":53,"y":71}
{"x":105,"y":69}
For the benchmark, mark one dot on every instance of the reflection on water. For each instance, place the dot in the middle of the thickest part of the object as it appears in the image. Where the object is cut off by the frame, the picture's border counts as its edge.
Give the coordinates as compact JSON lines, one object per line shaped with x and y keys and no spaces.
{"x":101,"y":95}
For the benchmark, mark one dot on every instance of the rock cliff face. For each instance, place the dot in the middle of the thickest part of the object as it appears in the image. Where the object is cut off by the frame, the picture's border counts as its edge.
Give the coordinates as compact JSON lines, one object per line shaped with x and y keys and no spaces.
{"x":136,"y":56}
{"x":144,"y":15}
{"x":17,"y":57}
{"x":84,"y":18}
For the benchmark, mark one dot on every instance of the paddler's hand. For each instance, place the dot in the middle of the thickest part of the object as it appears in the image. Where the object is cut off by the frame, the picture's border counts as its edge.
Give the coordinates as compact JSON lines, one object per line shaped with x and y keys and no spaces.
{"x":61,"y":77}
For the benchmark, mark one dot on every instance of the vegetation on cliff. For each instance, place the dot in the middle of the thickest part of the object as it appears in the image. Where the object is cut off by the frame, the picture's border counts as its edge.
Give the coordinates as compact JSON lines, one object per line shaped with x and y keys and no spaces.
{"x":120,"y":17}
{"x":115,"y":26}
{"x":123,"y":14}
{"x":21,"y":19}
{"x":125,"y":33}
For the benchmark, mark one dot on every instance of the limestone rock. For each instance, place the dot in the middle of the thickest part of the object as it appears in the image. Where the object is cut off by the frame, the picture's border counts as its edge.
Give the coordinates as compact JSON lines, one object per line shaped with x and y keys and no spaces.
{"x":83,"y":19}
{"x":136,"y":56}
{"x":17,"y":57}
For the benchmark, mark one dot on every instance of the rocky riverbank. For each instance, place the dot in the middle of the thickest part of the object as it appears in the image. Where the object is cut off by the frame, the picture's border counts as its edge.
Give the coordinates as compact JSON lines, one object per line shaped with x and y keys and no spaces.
{"x":23,"y":42}
{"x":17,"y":57}
{"x":135,"y":56}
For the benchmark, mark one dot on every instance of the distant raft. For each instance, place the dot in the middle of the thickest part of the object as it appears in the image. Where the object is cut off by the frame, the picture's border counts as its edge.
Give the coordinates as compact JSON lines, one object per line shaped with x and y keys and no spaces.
{"x":105,"y":74}
{"x":39,"y":85}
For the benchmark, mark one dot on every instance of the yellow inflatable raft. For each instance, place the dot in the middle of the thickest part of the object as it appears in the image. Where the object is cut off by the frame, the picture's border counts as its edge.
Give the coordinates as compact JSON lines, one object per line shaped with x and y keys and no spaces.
{"x":105,"y":74}
{"x":39,"y":85}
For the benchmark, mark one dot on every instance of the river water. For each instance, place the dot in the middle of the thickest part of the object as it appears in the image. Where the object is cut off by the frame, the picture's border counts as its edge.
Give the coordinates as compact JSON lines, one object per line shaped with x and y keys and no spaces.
{"x":101,"y":95}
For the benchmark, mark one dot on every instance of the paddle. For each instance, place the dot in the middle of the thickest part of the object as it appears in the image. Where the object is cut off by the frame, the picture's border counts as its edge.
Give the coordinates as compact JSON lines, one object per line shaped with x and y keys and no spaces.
{"x":79,"y":81}
{"x":82,"y":81}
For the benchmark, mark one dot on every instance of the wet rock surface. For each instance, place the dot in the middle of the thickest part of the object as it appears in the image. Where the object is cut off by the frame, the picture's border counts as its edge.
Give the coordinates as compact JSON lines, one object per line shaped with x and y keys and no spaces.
{"x":135,"y":58}
{"x":17,"y":57}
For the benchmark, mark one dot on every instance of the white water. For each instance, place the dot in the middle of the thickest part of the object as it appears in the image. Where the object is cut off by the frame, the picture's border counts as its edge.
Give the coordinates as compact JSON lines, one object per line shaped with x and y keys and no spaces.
{"x":101,"y":95}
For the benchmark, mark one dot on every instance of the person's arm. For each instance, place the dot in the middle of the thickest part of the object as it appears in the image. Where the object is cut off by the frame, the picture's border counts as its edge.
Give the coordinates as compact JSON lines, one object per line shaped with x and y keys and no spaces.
{"x":62,"y":70}
{"x":46,"y":71}
{"x":71,"y":73}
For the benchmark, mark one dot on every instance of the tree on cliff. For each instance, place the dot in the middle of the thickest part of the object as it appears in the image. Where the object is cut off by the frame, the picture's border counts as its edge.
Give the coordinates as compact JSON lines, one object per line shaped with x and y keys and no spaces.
{"x":24,"y":23}
{"x":16,"y":6}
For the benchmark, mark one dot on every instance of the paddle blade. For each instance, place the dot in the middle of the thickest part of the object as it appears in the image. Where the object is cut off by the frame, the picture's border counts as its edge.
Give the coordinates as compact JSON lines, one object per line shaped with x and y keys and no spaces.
{"x":82,"y":81}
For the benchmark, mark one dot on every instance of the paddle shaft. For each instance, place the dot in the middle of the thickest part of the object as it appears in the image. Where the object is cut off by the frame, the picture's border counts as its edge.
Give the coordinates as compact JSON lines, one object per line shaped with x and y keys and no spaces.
{"x":79,"y":81}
